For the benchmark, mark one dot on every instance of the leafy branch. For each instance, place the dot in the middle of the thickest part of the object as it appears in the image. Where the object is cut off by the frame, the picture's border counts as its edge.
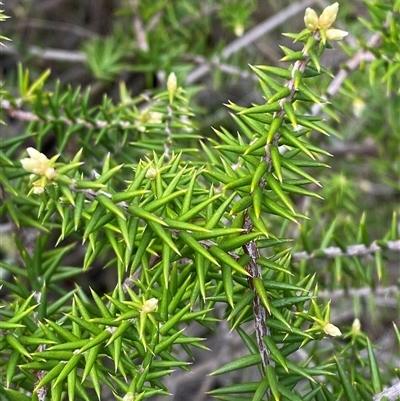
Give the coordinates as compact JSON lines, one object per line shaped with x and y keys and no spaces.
{"x":193,"y":228}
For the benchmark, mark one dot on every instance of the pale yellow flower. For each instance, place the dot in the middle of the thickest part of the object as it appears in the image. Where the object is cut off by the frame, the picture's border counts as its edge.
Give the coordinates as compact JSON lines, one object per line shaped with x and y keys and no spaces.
{"x":358,"y":107}
{"x":335,"y":34}
{"x":148,"y":117}
{"x":38,"y":164}
{"x":239,"y":29}
{"x":151,"y":173}
{"x":356,"y":326}
{"x":328,"y":16}
{"x":172,"y":83}
{"x":311,"y":19}
{"x":332,"y":330}
{"x":129,"y":397}
{"x":150,"y":305}
{"x":38,"y":187}
{"x":324,"y":22}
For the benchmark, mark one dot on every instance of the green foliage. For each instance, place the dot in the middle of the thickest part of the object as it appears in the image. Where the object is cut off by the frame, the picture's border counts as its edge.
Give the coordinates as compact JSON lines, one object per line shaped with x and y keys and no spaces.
{"x":189,"y":226}
{"x":3,"y":17}
{"x":105,"y":57}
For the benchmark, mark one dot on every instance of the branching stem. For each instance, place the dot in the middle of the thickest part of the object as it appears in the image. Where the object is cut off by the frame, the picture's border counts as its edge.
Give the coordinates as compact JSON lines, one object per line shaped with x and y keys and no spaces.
{"x":259,"y":311}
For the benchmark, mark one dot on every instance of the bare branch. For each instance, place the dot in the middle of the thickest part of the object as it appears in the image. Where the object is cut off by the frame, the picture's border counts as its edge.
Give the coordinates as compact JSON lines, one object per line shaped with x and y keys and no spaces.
{"x":360,"y":292}
{"x":17,"y":113}
{"x":48,"y":54}
{"x":351,"y":65}
{"x":249,"y":37}
{"x":351,"y":250}
{"x":141,"y":35}
{"x":391,"y":393}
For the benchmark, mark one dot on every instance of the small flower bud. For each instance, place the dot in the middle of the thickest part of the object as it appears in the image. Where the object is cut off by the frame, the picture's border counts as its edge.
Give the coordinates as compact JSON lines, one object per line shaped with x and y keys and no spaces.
{"x":311,"y":19}
{"x":149,"y":305}
{"x":151,"y":173}
{"x":50,"y":173}
{"x":356,"y":326}
{"x":358,"y":107}
{"x":239,"y":29}
{"x":328,"y":16}
{"x":335,"y":34}
{"x":172,"y":84}
{"x":129,"y":397}
{"x":38,"y":164}
{"x":37,"y":188}
{"x":332,"y":330}
{"x":148,"y":117}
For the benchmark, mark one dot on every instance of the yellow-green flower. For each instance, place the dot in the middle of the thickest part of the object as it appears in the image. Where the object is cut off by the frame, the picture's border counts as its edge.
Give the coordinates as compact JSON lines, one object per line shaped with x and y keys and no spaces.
{"x":332,"y":330}
{"x":311,"y":19}
{"x":150,"y":305}
{"x":172,"y":85}
{"x":172,"y":82}
{"x":356,"y":326}
{"x":151,"y":173}
{"x":148,"y":117}
{"x":239,"y":29}
{"x":38,"y":185}
{"x":129,"y":397}
{"x":324,"y":22}
{"x":328,"y":16}
{"x":335,"y":34}
{"x":38,"y":163}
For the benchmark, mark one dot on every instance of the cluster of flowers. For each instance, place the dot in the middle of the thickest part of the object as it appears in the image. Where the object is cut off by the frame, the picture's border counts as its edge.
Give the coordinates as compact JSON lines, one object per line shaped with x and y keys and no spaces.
{"x":324,"y":22}
{"x":39,"y":165}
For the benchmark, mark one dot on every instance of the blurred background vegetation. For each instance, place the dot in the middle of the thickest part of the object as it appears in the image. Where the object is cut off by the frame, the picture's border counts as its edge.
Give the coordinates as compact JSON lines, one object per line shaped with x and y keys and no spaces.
{"x":209,"y":45}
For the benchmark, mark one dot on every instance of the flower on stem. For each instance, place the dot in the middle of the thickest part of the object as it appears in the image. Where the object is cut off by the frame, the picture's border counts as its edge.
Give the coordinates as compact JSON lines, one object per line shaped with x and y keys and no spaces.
{"x":38,"y":185}
{"x":150,"y":305}
{"x":356,"y":326}
{"x":239,"y":29}
{"x":38,"y":163}
{"x":129,"y":397}
{"x":328,"y":16}
{"x":335,"y":34}
{"x":311,"y":19}
{"x":324,"y":22}
{"x":332,"y":330}
{"x":151,"y":173}
{"x":172,"y":85}
{"x":148,"y":117}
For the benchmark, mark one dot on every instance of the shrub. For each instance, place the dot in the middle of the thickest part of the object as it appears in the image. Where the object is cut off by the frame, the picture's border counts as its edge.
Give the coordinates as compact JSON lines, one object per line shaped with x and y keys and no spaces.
{"x":224,"y":231}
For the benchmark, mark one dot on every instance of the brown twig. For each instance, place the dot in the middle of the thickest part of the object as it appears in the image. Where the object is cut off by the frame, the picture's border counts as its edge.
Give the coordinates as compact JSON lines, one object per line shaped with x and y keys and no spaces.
{"x":259,"y":311}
